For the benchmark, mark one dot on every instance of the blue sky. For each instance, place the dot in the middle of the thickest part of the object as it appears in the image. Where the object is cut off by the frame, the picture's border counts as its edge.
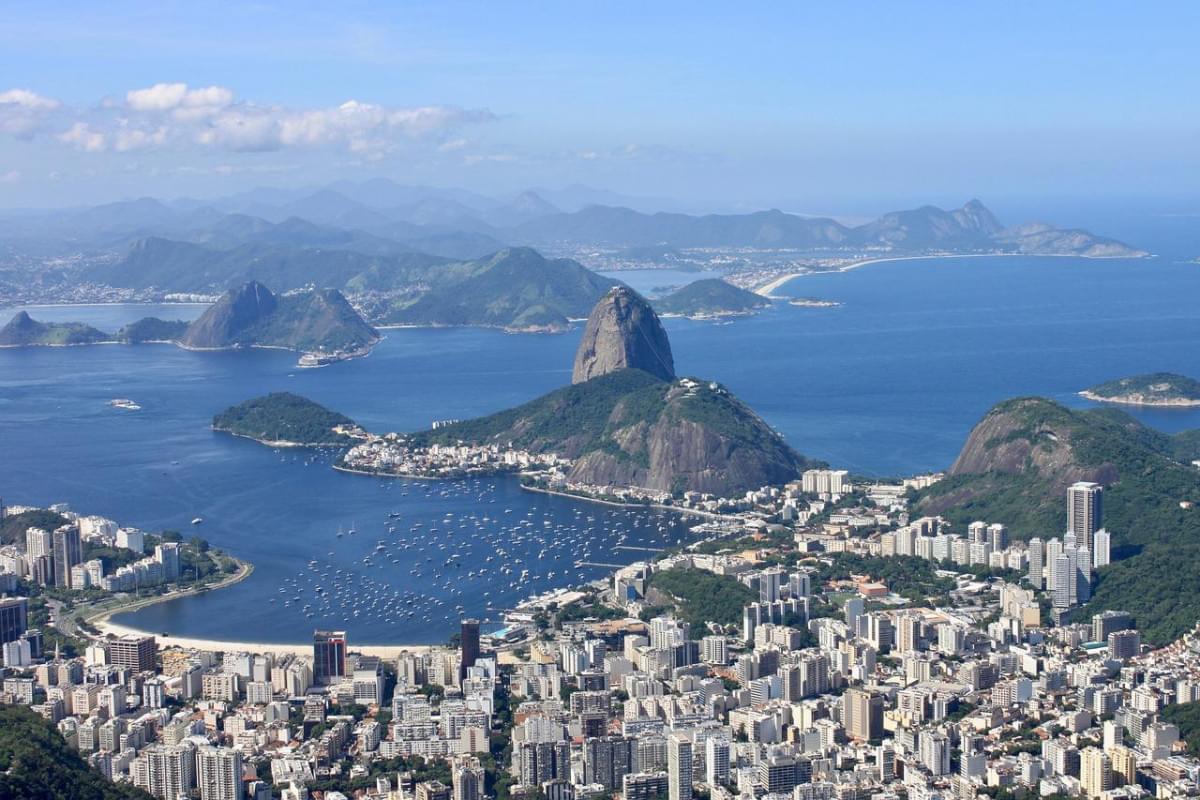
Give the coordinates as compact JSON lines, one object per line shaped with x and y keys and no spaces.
{"x":804,"y":106}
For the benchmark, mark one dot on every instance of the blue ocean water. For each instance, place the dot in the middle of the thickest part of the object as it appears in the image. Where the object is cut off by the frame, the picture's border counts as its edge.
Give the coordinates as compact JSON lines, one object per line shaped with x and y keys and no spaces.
{"x":887,"y":384}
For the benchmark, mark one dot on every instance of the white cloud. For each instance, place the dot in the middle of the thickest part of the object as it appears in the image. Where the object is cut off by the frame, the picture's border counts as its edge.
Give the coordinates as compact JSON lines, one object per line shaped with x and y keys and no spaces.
{"x":176,"y":117}
{"x":12,"y":176}
{"x":170,"y":96}
{"x":27,"y":99}
{"x":23,"y":113}
{"x":81,"y":136}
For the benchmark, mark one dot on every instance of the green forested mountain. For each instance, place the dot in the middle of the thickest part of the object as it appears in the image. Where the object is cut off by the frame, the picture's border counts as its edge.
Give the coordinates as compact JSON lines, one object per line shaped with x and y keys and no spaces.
{"x":1015,"y":468}
{"x":708,"y":297}
{"x":284,"y":417}
{"x":629,"y":428}
{"x":252,"y":315}
{"x":516,"y":288}
{"x":36,"y":763}
{"x":23,"y":331}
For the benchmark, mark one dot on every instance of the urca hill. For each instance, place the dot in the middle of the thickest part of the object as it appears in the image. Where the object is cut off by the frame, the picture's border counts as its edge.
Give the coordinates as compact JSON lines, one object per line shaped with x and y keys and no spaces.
{"x":627,"y":420}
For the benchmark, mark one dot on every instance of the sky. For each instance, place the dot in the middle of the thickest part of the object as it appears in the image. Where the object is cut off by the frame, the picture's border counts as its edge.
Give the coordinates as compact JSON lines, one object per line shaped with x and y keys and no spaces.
{"x":817,"y":107}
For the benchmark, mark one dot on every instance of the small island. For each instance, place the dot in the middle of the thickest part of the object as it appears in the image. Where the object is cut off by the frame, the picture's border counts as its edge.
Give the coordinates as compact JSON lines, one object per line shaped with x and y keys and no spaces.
{"x":283,"y":419}
{"x":1155,"y":389}
{"x":711,"y":297}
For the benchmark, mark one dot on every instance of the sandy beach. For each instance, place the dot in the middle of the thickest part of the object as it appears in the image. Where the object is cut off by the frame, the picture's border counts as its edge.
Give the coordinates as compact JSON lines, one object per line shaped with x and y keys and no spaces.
{"x":768,"y":289}
{"x":219,"y":646}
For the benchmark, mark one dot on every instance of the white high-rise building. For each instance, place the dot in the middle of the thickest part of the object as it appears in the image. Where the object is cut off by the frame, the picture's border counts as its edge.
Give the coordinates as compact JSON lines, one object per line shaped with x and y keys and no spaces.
{"x":219,"y":773}
{"x":716,"y":761}
{"x":1062,"y":574}
{"x":1037,"y":562}
{"x":1101,"y":549}
{"x":165,"y":771}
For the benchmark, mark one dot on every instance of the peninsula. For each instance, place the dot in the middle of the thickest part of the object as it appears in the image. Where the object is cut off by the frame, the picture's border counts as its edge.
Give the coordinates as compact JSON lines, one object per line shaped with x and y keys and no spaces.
{"x":1155,"y":389}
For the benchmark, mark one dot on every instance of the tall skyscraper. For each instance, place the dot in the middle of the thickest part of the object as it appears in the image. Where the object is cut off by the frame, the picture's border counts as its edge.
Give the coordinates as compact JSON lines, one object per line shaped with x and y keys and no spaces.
{"x":219,"y":773}
{"x":716,"y":761}
{"x":1037,"y":562}
{"x":862,"y":714}
{"x":68,"y":551}
{"x":38,"y":542}
{"x":1084,"y":511}
{"x":607,"y":759}
{"x":329,"y":656}
{"x":470,"y":646}
{"x":679,"y":767}
{"x":1062,"y":574}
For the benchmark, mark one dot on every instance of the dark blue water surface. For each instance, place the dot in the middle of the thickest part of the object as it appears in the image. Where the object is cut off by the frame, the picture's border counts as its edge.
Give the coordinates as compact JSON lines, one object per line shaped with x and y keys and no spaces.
{"x":888,"y":384}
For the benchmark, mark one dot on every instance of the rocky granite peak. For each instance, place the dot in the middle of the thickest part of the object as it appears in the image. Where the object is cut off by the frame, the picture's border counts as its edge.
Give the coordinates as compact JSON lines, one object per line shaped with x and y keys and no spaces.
{"x":623,"y":332}
{"x":237,"y":310}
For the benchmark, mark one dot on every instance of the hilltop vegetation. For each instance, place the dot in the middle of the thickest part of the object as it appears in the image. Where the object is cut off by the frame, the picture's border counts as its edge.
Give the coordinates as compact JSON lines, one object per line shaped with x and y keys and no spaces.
{"x":283,"y":417}
{"x":36,"y":763}
{"x":1158,"y":388}
{"x":516,"y":289}
{"x":252,"y":316}
{"x":704,"y":597}
{"x":628,"y":428}
{"x":12,"y":528}
{"x":1015,"y":468}
{"x":23,"y":331}
{"x":710,"y":297}
{"x":152,"y":329}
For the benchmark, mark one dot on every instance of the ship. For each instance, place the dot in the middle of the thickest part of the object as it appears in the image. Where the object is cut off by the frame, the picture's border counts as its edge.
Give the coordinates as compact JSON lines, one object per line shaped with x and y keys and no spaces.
{"x":125,"y":403}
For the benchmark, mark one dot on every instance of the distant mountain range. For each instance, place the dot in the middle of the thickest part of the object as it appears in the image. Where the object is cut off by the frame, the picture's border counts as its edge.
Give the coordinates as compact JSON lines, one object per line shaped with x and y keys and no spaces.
{"x":381,"y":217}
{"x":425,"y":256}
{"x":972,"y":228}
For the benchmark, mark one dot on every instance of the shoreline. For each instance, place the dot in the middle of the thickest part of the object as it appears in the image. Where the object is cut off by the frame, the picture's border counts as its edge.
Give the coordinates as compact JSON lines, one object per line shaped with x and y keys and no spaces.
{"x":616,"y":503}
{"x":1128,"y":401}
{"x":767,"y":289}
{"x":102,"y":621}
{"x":281,"y":444}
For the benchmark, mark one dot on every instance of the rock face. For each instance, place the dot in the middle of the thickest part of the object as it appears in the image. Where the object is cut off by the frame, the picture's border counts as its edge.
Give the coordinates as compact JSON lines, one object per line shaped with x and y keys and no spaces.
{"x":623,"y":332}
{"x":1031,"y":435}
{"x":703,"y":439}
{"x":249,"y":316}
{"x":238,"y":310}
{"x":628,"y":428}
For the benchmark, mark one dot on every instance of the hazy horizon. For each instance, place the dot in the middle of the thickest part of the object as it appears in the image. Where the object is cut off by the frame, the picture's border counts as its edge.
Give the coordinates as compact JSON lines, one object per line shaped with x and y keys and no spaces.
{"x":846,"y":110}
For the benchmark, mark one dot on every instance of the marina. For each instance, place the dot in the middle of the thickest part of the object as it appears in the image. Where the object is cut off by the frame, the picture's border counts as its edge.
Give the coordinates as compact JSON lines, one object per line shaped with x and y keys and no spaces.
{"x":406,"y":571}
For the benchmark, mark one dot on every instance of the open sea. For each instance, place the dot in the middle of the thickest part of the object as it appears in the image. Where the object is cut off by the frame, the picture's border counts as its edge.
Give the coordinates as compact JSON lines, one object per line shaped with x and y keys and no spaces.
{"x":888,"y":384}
